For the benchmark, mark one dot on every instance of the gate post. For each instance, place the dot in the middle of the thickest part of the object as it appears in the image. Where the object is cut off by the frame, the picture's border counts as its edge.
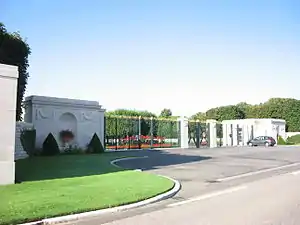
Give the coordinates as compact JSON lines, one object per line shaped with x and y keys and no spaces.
{"x":198,"y":129}
{"x":8,"y":86}
{"x":212,"y":133}
{"x":184,"y":132}
{"x":225,"y":133}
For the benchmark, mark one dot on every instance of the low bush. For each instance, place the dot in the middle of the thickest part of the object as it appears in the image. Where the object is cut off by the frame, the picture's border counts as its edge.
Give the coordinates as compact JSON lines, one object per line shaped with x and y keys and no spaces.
{"x":27,"y":138}
{"x":95,"y":145}
{"x":50,"y":146}
{"x":73,"y":151}
{"x":294,"y":139}
{"x":281,"y":141}
{"x":289,"y":143}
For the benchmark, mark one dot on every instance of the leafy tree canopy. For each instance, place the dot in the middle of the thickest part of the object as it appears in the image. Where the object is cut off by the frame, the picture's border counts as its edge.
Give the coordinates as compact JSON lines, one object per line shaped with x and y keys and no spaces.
{"x":15,"y":51}
{"x":166,"y":113}
{"x":279,"y":108}
{"x":127,"y":112}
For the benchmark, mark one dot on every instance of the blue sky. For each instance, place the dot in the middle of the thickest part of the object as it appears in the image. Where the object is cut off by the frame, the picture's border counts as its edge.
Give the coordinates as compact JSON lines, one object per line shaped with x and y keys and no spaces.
{"x":154,"y":54}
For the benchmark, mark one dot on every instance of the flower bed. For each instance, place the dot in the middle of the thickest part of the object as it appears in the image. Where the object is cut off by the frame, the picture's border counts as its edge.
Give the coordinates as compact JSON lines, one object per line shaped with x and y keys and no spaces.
{"x":136,"y":146}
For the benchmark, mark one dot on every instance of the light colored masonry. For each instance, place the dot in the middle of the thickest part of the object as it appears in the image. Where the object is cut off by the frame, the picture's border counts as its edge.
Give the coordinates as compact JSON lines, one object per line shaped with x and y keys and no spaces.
{"x":19,"y":151}
{"x":51,"y":115}
{"x":8,"y":96}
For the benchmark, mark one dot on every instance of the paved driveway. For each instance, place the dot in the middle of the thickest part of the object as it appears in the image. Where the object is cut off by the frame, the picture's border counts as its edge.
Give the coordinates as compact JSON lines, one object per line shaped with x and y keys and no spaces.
{"x":199,"y":170}
{"x":202,"y":171}
{"x":244,"y":205}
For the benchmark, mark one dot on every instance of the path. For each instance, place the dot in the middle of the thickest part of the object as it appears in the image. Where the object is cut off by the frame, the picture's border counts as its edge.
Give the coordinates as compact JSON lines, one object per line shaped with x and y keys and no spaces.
{"x":208,"y":171}
{"x":272,"y":201}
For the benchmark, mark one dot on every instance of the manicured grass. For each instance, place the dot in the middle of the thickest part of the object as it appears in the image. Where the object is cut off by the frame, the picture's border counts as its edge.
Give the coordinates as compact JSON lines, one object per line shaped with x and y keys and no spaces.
{"x":69,"y":184}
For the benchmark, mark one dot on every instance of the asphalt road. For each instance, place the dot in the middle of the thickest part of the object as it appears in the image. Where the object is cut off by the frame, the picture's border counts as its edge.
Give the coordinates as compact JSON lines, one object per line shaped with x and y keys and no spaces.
{"x":205,"y":171}
{"x":273,"y":201}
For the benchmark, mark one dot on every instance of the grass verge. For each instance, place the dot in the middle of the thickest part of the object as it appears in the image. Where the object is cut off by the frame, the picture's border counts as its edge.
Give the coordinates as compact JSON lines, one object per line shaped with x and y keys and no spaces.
{"x":69,"y":184}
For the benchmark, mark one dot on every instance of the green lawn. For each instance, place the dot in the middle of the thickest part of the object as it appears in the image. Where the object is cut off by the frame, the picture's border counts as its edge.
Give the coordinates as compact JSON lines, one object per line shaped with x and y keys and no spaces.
{"x":68,"y":184}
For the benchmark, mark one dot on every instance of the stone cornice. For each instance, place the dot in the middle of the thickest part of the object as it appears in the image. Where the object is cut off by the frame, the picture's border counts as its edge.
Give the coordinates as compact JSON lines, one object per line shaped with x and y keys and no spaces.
{"x":63,"y":102}
{"x":8,"y":71}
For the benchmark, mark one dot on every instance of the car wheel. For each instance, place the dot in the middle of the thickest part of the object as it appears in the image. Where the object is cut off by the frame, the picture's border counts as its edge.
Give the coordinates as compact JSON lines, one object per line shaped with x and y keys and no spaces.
{"x":250,"y":144}
{"x":267,"y":144}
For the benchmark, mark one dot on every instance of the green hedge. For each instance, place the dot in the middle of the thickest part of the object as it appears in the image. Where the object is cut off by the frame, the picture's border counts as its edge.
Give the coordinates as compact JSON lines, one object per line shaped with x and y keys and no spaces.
{"x":27,"y":139}
{"x":281,"y":141}
{"x":294,"y":139}
{"x":95,"y":145}
{"x":50,"y":146}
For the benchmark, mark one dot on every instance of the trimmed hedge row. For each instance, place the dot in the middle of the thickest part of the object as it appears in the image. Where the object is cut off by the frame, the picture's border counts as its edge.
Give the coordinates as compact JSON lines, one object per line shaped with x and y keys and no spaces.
{"x":50,"y":145}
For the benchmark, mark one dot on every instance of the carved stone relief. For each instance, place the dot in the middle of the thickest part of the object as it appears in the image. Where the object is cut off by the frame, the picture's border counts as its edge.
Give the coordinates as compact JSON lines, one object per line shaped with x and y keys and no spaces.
{"x":44,"y":114}
{"x":86,"y":116}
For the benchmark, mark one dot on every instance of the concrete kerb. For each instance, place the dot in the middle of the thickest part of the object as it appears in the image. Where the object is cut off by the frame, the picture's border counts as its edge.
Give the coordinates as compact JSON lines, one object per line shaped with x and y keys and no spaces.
{"x":61,"y":219}
{"x":114,"y":162}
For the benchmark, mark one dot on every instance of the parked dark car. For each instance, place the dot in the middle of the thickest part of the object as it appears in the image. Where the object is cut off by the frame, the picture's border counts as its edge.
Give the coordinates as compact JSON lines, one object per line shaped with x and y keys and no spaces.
{"x":262,"y":141}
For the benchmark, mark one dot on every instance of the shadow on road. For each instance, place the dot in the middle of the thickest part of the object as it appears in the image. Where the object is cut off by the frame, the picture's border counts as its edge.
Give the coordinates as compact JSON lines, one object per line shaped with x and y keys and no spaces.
{"x":68,"y":166}
{"x":157,"y":159}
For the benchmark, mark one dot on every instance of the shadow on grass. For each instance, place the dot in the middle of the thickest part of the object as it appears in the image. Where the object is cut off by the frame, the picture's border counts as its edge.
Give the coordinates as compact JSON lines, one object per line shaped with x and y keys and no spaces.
{"x":68,"y":166}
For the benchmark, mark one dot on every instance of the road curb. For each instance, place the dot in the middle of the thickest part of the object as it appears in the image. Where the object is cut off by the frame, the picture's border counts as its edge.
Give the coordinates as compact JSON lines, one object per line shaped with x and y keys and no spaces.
{"x":114,"y":162}
{"x":170,"y":193}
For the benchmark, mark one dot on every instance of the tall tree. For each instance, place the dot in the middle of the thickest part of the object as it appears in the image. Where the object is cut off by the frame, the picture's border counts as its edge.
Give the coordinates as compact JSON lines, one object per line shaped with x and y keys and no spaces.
{"x":211,"y":113}
{"x":230,"y":112}
{"x":166,"y":113}
{"x":199,"y":116}
{"x":287,"y":109}
{"x":14,"y":50}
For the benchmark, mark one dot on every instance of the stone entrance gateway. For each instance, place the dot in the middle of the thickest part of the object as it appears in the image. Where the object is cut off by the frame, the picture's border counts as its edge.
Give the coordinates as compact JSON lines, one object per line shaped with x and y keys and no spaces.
{"x":49,"y":114}
{"x":239,"y":132}
{"x":197,"y":134}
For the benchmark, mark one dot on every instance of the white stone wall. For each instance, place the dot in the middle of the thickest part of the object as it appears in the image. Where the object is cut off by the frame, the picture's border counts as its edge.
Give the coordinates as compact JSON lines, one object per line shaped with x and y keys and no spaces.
{"x":8,"y":97}
{"x":261,"y":127}
{"x":212,"y":133}
{"x":226,"y":132}
{"x":49,"y":114}
{"x":19,"y":151}
{"x":278,"y":127}
{"x":184,"y":132}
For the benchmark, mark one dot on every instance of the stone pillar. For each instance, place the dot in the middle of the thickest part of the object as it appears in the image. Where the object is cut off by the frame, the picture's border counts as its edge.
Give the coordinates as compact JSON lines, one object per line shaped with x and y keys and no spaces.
{"x":212,"y":133}
{"x":225,"y":134}
{"x":8,"y":95}
{"x":245,"y":134}
{"x":234,"y":134}
{"x":184,"y":132}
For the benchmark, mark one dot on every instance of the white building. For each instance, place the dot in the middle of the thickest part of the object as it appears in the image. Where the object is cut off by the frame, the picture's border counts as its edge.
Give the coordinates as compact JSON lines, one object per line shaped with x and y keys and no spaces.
{"x":239,"y":132}
{"x":50,"y":114}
